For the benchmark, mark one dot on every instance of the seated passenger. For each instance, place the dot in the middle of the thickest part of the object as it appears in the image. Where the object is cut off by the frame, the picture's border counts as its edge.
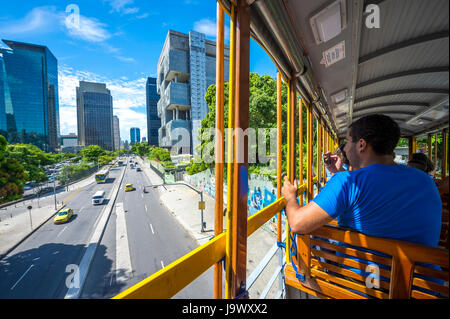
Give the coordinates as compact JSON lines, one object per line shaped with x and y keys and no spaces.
{"x":380,"y":198}
{"x":422,"y":162}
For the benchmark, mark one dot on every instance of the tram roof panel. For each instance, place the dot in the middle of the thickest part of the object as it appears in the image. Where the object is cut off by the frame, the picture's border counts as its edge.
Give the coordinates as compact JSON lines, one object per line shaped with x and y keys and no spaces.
{"x":361,"y":57}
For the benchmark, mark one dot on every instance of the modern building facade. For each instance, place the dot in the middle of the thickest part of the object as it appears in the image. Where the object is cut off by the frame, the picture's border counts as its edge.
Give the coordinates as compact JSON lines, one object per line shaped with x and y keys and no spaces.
{"x":29,"y":107}
{"x":116,"y":130}
{"x":135,"y":135}
{"x":186,"y":67}
{"x":95,"y":115}
{"x":69,"y":140}
{"x":153,"y":121}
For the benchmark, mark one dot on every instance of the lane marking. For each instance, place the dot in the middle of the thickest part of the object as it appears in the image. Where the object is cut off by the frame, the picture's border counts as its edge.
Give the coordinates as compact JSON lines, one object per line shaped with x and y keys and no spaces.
{"x":146,"y":208}
{"x":123,"y":258}
{"x":21,"y":277}
{"x":162,"y":264}
{"x":61,"y":231}
{"x":152,"y":229}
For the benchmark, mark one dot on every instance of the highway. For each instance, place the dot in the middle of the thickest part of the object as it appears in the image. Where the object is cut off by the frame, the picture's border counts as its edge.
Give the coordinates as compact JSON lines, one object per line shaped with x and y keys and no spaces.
{"x":140,"y":237}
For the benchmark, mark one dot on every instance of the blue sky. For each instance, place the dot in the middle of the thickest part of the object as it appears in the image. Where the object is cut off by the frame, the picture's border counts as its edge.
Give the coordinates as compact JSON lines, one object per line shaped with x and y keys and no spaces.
{"x":117,"y":42}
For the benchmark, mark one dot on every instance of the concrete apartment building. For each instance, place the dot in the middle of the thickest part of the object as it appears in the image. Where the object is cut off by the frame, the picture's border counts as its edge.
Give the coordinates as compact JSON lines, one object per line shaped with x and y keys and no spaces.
{"x":116,"y":131}
{"x":186,"y":67}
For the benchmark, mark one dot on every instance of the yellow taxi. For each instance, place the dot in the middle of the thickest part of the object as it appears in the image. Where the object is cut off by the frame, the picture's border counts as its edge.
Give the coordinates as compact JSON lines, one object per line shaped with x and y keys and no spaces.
{"x":128,"y":187}
{"x":63,"y":216}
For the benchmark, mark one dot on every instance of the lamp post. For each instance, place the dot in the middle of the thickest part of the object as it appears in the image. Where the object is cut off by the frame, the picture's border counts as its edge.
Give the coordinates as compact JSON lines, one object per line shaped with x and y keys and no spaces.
{"x":201,"y":204}
{"x":29,"y":212}
{"x":54,"y":192}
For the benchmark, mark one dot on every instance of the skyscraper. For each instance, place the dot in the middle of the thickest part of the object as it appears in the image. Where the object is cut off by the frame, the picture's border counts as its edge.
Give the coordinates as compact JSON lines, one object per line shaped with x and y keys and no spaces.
{"x":29,"y":107}
{"x":95,"y":115}
{"x":135,"y":135}
{"x":153,"y":121}
{"x":186,"y":67}
{"x":116,"y":129}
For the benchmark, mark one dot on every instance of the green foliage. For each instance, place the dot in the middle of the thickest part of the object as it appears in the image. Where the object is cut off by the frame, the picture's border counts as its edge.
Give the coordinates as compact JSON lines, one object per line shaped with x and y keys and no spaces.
{"x":92,"y":153}
{"x":195,"y":168}
{"x":160,"y":154}
{"x":140,"y":149}
{"x":32,"y":159}
{"x":12,"y":175}
{"x":262,"y":114}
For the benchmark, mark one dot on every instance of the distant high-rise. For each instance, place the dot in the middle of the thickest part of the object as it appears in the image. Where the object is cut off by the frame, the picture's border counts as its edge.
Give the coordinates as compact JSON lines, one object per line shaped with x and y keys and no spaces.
{"x":116,"y":129}
{"x":29,"y":107}
{"x":153,"y":121}
{"x":135,"y":135}
{"x":186,"y":67}
{"x":95,"y":115}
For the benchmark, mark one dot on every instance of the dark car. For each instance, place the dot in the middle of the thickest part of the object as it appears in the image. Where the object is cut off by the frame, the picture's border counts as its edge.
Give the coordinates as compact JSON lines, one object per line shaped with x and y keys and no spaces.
{"x":138,"y":169}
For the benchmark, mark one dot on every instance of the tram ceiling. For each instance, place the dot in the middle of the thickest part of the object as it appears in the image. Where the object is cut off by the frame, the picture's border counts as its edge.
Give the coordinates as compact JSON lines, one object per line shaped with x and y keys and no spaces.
{"x":346,"y":63}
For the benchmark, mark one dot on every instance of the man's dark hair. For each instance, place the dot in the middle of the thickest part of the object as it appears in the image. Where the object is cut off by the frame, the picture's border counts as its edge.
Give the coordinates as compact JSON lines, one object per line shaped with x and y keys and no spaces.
{"x":380,"y":131}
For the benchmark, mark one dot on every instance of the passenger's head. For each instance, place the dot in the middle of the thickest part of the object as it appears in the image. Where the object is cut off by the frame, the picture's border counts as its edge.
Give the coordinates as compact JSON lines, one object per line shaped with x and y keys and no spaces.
{"x":372,"y":135}
{"x":422,"y":162}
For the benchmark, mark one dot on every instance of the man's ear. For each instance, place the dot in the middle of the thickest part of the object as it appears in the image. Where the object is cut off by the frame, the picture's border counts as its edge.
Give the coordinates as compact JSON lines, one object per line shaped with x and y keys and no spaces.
{"x":362,"y":145}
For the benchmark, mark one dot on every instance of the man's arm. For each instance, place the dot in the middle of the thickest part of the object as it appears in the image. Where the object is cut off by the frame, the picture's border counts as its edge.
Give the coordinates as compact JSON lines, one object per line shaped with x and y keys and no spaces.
{"x":302,"y":220}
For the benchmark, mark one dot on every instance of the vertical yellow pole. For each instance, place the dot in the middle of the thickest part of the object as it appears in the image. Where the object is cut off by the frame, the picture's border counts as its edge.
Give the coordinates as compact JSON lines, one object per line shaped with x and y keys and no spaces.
{"x":288,"y":166}
{"x":445,"y":144}
{"x":435,"y":152}
{"x":218,"y":201}
{"x":300,"y":146}
{"x":231,"y":96}
{"x":309,"y":152}
{"x":318,"y":150}
{"x":279,"y":158}
{"x":429,"y":148}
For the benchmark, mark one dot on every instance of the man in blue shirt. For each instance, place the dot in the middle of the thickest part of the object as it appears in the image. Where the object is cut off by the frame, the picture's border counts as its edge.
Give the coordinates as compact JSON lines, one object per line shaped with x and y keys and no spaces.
{"x":378,"y":199}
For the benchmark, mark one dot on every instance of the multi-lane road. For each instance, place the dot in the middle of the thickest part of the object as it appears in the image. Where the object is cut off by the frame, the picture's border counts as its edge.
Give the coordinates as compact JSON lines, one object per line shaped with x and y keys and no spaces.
{"x":139,"y":238}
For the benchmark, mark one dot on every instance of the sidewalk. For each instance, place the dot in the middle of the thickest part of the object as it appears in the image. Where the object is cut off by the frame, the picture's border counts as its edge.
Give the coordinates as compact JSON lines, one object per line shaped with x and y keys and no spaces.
{"x":182,"y":202}
{"x":15,"y":229}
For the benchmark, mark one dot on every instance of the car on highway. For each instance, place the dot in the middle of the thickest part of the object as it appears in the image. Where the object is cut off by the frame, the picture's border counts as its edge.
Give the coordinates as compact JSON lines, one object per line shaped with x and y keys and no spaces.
{"x":138,"y":169}
{"x":128,"y":187}
{"x":63,"y":216}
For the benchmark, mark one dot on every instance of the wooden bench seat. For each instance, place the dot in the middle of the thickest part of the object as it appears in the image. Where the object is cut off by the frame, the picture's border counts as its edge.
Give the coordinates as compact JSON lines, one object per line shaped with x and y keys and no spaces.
{"x":329,"y":267}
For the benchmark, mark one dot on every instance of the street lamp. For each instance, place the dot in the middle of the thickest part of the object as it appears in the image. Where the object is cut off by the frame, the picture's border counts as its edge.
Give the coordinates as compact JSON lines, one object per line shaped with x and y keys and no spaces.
{"x":201,"y":203}
{"x":29,"y":212}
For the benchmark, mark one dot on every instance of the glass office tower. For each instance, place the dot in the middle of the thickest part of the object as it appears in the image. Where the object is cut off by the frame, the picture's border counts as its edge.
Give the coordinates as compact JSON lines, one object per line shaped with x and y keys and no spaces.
{"x":135,"y":135}
{"x":29,"y":107}
{"x":95,"y":115}
{"x":153,"y":121}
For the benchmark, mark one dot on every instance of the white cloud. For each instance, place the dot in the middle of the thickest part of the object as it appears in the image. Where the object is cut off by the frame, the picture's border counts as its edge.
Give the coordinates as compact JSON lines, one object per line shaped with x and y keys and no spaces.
{"x":88,"y":29}
{"x":209,"y":28}
{"x":48,"y":19}
{"x":39,"y":20}
{"x":129,"y":102}
{"x":120,"y":6}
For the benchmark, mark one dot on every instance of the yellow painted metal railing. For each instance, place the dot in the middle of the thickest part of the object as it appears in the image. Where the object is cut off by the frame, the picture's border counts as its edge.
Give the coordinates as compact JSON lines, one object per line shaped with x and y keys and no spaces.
{"x":168,"y":281}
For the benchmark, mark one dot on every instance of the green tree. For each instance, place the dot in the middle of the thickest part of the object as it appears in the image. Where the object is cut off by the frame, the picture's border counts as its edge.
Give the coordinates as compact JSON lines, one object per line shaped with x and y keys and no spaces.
{"x":262,"y":115}
{"x":140,"y":149}
{"x":32,"y":159}
{"x":92,"y":153}
{"x":12,"y":175}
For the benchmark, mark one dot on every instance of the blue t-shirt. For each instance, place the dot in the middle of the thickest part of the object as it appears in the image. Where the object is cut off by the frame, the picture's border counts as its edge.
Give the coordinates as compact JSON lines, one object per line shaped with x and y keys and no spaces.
{"x":391,"y":201}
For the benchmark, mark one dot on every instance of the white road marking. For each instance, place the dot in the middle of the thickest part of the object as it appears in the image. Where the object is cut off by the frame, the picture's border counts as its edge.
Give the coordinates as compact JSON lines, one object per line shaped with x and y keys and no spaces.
{"x":146,"y":208}
{"x":162,"y":264}
{"x":123,"y":259}
{"x":142,"y":195}
{"x":61,"y":231}
{"x":21,"y":277}
{"x":152,"y":229}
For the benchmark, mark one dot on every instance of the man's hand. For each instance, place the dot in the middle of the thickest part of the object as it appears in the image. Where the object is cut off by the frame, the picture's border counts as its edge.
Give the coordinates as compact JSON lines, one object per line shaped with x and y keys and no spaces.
{"x":288,"y":190}
{"x":333,"y":163}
